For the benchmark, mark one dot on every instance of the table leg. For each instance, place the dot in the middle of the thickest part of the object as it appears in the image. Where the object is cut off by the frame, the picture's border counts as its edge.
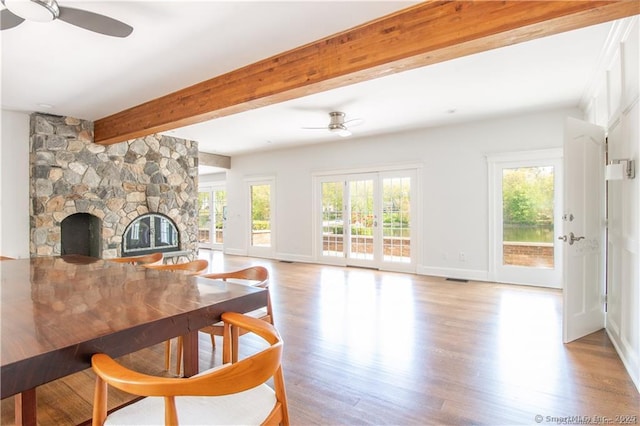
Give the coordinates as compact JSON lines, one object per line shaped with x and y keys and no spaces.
{"x":190,"y":353}
{"x":25,"y":406}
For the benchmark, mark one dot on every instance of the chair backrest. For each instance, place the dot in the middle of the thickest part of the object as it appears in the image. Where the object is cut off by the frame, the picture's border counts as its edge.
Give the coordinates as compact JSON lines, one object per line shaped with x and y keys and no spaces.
{"x":144,"y":259}
{"x":192,"y":268}
{"x":228,"y":379}
{"x":260,"y":277}
{"x":252,"y":273}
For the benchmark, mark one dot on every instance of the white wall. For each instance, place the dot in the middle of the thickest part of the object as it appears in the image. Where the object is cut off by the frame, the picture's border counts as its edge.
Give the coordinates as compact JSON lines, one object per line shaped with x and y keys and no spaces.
{"x":213,"y":178}
{"x":453,"y":186}
{"x":615,"y":105}
{"x":14,"y":184}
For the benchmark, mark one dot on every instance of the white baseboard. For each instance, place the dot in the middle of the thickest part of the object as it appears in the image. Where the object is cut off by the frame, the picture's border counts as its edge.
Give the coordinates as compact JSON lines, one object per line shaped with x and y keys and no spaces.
{"x":291,"y":257}
{"x":628,"y":357}
{"x":235,"y":252}
{"x":466,"y":274}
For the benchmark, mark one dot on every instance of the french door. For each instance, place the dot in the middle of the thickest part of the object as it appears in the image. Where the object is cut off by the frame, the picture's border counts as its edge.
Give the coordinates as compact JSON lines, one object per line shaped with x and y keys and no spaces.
{"x":261,"y":194}
{"x":366,"y":220}
{"x":525,"y":216}
{"x":212,"y":209}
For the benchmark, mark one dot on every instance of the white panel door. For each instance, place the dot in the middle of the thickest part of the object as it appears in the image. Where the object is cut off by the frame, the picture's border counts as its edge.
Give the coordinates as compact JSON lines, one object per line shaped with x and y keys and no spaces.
{"x":584,"y":231}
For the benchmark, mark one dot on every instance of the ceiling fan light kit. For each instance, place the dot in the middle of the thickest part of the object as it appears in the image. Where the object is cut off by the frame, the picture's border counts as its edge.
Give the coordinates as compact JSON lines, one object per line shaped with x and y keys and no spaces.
{"x":34,"y":10}
{"x":337,"y":124}
{"x":340,"y":130}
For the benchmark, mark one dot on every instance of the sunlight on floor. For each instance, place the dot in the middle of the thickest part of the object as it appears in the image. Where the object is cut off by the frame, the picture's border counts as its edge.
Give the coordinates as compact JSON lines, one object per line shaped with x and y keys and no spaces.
{"x":370,"y":321}
{"x":528,"y":338}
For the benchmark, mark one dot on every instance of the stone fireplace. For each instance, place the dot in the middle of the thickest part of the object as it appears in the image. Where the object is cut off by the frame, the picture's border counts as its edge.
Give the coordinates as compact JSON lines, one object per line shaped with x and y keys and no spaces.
{"x":111,"y":186}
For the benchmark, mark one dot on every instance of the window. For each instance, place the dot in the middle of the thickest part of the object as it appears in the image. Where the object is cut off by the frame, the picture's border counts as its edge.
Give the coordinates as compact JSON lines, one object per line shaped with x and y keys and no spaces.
{"x":261,"y":215}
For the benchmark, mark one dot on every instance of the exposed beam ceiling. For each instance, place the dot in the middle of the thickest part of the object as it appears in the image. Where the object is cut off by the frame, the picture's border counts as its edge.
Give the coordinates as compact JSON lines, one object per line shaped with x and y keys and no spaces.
{"x":425,"y":34}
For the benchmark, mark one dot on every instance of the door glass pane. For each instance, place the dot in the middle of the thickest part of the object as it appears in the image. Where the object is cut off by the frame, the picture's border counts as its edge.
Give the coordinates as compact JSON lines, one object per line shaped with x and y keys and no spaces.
{"x":396,"y":219}
{"x":261,"y":215}
{"x":362,"y":219}
{"x":204,"y":217}
{"x":332,"y":220}
{"x":165,"y":233}
{"x":219,"y":214}
{"x":527,"y":202}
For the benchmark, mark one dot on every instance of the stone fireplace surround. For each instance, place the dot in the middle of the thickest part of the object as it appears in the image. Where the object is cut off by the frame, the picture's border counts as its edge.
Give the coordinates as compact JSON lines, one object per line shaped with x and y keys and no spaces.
{"x":116,"y":183}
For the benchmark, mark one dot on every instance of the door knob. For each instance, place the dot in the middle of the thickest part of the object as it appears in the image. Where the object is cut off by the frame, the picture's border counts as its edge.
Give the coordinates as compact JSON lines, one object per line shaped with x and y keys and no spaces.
{"x":563,"y":238}
{"x":573,"y":238}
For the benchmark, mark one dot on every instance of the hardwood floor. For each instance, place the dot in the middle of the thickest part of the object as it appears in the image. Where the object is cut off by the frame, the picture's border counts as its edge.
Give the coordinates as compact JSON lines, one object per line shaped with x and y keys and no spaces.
{"x":370,"y":347}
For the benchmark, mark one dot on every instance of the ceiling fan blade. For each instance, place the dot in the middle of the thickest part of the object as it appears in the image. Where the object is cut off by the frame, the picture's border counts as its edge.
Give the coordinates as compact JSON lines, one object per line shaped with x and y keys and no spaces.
{"x":9,"y":20}
{"x":314,"y":128}
{"x":354,"y":122}
{"x":94,"y":22}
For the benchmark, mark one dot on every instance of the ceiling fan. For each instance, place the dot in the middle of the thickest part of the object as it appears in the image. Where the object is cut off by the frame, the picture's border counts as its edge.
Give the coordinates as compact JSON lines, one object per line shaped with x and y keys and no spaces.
{"x":17,"y":11}
{"x":338,"y":125}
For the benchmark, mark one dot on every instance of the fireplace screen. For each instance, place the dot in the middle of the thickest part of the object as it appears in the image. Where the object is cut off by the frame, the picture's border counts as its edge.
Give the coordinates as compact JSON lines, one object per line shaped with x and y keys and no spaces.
{"x":150,"y":233}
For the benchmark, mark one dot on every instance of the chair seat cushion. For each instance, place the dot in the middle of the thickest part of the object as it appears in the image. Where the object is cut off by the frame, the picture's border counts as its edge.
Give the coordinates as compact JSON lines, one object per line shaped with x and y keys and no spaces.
{"x":250,"y":407}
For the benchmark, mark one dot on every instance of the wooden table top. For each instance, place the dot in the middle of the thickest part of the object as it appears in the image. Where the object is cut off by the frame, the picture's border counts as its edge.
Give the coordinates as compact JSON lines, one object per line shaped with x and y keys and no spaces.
{"x":58,"y":311}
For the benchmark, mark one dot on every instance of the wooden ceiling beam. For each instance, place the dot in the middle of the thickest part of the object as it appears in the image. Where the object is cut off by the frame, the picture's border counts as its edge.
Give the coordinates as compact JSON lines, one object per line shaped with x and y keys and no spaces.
{"x":424,"y":34}
{"x":214,"y":160}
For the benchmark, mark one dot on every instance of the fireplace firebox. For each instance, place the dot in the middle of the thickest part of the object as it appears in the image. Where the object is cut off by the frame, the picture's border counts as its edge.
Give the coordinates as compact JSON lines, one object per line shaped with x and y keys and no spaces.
{"x":80,"y":234}
{"x":150,"y":233}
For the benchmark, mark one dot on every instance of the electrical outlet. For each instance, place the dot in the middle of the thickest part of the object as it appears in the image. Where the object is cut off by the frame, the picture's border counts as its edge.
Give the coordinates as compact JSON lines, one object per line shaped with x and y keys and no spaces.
{"x":462,"y":257}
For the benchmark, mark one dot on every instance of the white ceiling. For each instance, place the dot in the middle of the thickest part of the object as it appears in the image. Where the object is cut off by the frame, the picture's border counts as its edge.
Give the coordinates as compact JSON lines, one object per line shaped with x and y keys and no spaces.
{"x":61,"y":69}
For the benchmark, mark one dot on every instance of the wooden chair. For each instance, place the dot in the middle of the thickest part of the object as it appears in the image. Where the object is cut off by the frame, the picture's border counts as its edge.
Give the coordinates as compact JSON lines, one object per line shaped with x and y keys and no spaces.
{"x":145,"y":259}
{"x":193,"y":267}
{"x":259,"y":277}
{"x":233,"y":393}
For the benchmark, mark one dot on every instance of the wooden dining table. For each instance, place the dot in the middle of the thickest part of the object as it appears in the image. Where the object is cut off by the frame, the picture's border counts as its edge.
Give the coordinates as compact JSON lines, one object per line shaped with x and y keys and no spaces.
{"x":56,"y":312}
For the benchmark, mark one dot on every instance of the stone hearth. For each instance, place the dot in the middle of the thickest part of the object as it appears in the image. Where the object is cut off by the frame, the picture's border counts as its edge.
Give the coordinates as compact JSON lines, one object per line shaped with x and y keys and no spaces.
{"x":116,"y":183}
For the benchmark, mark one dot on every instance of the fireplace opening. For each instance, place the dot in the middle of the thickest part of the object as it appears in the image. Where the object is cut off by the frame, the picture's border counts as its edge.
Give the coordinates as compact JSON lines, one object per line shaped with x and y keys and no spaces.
{"x":150,"y":233}
{"x":81,"y":234}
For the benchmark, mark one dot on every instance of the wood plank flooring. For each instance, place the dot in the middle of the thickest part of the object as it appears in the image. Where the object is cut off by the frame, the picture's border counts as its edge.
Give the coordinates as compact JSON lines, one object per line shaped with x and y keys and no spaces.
{"x":379,"y":348}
